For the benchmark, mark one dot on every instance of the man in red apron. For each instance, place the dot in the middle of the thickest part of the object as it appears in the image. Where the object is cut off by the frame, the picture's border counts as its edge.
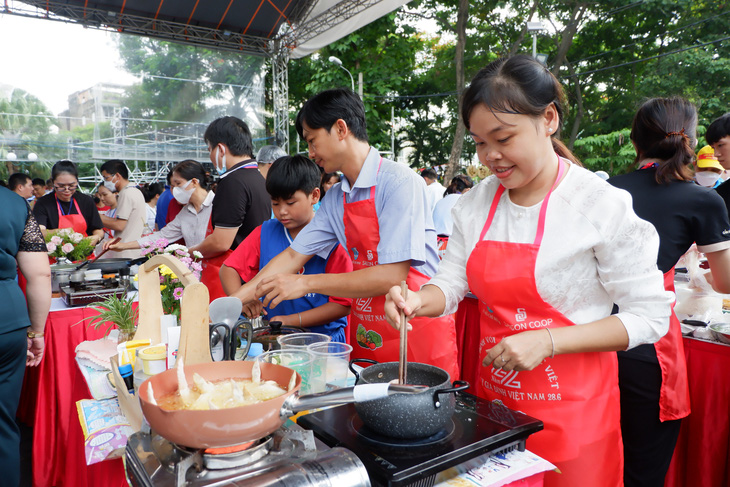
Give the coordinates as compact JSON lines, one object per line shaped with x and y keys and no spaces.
{"x":379,"y":212}
{"x":241,"y":202}
{"x":565,"y":391}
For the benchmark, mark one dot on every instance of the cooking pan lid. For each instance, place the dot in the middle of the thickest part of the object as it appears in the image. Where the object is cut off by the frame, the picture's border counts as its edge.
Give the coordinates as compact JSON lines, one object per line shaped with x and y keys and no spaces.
{"x":267,"y":334}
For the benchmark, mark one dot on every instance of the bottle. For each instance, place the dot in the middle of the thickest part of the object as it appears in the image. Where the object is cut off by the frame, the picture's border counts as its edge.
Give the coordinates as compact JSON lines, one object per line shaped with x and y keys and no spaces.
{"x":127,"y":375}
{"x":255,"y":350}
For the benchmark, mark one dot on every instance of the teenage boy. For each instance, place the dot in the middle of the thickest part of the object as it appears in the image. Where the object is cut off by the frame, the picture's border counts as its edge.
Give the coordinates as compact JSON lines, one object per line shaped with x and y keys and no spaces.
{"x":718,"y":136}
{"x":131,"y":215}
{"x":293,"y":183}
{"x":241,"y":202}
{"x":380,"y":214}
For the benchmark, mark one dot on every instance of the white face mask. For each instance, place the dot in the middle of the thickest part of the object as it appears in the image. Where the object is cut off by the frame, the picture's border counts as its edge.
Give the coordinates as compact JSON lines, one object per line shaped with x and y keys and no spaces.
{"x":182,"y":194}
{"x":221,"y":170}
{"x":706,"y":178}
{"x":110,"y":185}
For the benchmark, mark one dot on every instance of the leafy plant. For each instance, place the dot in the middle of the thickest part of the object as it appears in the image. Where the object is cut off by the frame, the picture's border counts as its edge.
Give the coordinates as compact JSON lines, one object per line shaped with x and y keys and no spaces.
{"x":115,"y":310}
{"x":69,"y":244}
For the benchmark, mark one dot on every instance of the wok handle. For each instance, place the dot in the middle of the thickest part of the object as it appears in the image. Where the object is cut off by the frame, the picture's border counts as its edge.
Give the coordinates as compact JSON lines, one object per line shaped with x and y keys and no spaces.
{"x":458,"y":385}
{"x":356,"y":360}
{"x":336,"y":397}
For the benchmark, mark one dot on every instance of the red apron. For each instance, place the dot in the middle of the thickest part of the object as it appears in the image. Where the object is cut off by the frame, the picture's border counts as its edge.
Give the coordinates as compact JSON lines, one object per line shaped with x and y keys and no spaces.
{"x":75,"y":222}
{"x":674,"y":394}
{"x":575,"y":395}
{"x":432,"y":340}
{"x":211,"y":270}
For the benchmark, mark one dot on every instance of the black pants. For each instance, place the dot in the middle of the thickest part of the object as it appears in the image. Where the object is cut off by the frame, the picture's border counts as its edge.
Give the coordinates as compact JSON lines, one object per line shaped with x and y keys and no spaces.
{"x":13,"y":346}
{"x":648,"y":443}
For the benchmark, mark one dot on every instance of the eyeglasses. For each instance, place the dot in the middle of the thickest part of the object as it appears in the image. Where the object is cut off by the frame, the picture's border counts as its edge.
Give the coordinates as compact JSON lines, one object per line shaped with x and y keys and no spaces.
{"x":65,"y":187}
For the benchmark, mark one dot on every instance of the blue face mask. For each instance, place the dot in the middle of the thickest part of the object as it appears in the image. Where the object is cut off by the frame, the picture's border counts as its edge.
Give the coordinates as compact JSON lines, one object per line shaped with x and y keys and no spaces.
{"x":221,"y":170}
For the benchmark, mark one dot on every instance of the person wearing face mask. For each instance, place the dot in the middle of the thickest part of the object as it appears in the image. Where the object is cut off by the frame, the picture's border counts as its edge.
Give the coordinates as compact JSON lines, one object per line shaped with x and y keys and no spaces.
{"x":653,"y":377}
{"x":708,"y":170}
{"x":241,"y":203}
{"x":129,"y":221}
{"x":189,"y":188}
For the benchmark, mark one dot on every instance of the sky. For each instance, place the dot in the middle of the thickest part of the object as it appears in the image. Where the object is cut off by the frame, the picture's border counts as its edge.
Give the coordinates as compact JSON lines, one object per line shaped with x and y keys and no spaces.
{"x":52,"y":60}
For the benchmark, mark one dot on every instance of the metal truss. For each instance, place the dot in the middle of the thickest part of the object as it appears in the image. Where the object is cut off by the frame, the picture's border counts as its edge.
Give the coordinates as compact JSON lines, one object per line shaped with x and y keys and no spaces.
{"x":280,"y":80}
{"x":132,"y":24}
{"x":310,"y":29}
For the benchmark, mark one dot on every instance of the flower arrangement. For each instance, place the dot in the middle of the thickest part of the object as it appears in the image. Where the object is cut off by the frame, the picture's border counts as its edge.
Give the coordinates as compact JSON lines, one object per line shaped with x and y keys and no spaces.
{"x":68,"y":244}
{"x":171,"y":289}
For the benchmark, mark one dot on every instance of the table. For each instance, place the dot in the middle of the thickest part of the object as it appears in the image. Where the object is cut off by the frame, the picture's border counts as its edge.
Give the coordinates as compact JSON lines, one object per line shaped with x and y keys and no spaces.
{"x":48,"y":403}
{"x":702,"y":455}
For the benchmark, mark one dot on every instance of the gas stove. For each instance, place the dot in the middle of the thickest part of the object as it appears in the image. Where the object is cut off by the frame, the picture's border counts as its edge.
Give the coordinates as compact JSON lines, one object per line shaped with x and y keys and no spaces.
{"x":477,"y":427}
{"x":335,"y":450}
{"x":89,"y":292}
{"x":291,"y":456}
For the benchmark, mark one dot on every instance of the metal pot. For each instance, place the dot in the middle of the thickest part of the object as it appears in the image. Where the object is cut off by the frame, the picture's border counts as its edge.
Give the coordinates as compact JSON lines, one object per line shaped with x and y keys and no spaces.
{"x":233,"y":426}
{"x":61,"y":275}
{"x":413,"y":415}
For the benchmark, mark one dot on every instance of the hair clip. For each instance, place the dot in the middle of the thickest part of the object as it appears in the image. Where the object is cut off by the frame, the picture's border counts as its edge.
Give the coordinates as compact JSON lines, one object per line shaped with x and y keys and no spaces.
{"x":681,"y":132}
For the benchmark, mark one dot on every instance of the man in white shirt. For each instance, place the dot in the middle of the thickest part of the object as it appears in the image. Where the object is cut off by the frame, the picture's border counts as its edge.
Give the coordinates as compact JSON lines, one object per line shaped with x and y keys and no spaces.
{"x":129,"y":221}
{"x":434,"y":189}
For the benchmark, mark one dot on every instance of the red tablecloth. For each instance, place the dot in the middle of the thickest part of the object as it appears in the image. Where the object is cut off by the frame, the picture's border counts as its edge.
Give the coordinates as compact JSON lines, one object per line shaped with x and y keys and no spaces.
{"x":467,"y":337}
{"x":48,"y":403}
{"x":702,"y":456}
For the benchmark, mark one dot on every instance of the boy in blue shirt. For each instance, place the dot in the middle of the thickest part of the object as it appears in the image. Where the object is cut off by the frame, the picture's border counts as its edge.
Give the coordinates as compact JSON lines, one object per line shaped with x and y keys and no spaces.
{"x":293,"y":183}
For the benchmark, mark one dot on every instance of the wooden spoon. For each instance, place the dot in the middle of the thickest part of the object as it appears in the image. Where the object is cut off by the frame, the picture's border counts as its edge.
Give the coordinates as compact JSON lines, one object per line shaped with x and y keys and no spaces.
{"x":403,"y":360}
{"x":87,"y":262}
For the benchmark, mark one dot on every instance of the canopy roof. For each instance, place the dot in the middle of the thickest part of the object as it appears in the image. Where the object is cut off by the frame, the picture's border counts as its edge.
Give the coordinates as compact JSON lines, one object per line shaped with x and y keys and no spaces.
{"x":266,"y":28}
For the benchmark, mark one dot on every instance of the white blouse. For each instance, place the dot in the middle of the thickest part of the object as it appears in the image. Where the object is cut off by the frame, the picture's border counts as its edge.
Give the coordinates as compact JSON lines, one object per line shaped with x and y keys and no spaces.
{"x":595,"y":252}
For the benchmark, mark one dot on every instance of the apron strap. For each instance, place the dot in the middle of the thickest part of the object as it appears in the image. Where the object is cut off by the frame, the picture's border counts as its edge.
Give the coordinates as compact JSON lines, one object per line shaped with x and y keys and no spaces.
{"x":543,"y":207}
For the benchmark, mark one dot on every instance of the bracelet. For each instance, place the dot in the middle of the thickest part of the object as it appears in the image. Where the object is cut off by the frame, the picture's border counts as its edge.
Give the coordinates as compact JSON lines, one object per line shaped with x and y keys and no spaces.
{"x":552,"y":343}
{"x":300,"y":320}
{"x":35,"y":334}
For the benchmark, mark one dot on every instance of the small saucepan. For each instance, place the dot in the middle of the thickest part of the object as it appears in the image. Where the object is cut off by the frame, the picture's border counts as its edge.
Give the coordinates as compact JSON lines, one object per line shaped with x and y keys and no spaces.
{"x":408,"y":416}
{"x":233,"y":426}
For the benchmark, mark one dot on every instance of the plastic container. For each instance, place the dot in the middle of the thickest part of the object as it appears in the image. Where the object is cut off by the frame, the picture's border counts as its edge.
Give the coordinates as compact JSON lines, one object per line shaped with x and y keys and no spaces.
{"x":154,"y":359}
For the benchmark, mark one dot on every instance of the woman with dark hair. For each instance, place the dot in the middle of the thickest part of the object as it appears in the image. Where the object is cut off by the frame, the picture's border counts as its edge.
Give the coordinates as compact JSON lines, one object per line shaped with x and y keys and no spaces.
{"x":653,"y":377}
{"x":547,"y":247}
{"x":442,"y":221}
{"x":66,"y":207}
{"x":189,"y":188}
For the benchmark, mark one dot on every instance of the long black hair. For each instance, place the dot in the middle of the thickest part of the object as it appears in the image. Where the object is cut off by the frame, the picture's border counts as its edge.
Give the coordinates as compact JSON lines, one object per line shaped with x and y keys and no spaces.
{"x":665,"y":129}
{"x":518,"y":85}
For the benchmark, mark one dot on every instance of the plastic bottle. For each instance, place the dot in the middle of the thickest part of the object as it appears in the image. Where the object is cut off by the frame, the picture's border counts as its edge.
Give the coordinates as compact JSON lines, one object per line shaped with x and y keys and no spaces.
{"x":127,"y":372}
{"x":255,"y":350}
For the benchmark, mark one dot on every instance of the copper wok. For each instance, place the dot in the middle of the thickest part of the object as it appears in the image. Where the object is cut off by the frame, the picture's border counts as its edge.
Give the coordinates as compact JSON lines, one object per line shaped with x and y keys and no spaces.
{"x":233,"y":426}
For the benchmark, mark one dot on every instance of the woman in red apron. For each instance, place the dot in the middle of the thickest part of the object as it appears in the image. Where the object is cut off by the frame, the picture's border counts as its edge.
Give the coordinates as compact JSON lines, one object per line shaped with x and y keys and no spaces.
{"x":547,"y":248}
{"x":67,"y":208}
{"x":653,"y":378}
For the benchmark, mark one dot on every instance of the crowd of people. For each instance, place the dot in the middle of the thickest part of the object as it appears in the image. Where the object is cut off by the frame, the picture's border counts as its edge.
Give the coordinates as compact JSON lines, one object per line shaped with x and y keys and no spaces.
{"x":568,"y":267}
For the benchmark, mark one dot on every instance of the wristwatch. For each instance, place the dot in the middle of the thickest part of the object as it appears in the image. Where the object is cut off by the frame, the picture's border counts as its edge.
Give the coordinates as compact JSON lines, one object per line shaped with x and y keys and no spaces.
{"x":35,"y":334}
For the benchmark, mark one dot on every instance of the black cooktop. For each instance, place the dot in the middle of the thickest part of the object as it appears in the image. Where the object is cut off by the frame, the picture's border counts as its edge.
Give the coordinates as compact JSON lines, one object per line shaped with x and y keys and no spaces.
{"x":477,"y":427}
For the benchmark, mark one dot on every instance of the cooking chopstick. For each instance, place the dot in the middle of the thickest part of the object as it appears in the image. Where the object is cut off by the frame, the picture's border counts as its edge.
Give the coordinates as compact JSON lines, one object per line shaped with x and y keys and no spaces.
{"x":403,"y":360}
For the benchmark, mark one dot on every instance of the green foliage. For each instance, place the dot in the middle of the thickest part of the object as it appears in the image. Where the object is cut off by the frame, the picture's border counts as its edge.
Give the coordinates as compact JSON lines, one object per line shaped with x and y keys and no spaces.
{"x":68,"y":244}
{"x":114,"y":310}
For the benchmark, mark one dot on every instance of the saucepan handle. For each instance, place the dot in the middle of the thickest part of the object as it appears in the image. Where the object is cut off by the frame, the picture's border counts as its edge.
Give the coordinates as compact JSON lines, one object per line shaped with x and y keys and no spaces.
{"x":458,"y":385}
{"x":356,"y":360}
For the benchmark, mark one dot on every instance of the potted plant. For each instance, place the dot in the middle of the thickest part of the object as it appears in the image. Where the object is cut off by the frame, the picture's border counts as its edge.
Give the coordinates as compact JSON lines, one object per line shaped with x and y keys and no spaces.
{"x":115,"y":310}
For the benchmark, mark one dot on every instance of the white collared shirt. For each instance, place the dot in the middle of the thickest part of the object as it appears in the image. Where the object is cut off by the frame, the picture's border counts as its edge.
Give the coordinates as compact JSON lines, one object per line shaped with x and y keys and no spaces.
{"x":189,"y":224}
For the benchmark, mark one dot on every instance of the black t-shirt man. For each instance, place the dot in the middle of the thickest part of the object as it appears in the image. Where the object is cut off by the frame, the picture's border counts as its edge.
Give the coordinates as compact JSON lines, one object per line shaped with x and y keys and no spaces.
{"x":241,"y":200}
{"x":724,"y":191}
{"x":46,"y":211}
